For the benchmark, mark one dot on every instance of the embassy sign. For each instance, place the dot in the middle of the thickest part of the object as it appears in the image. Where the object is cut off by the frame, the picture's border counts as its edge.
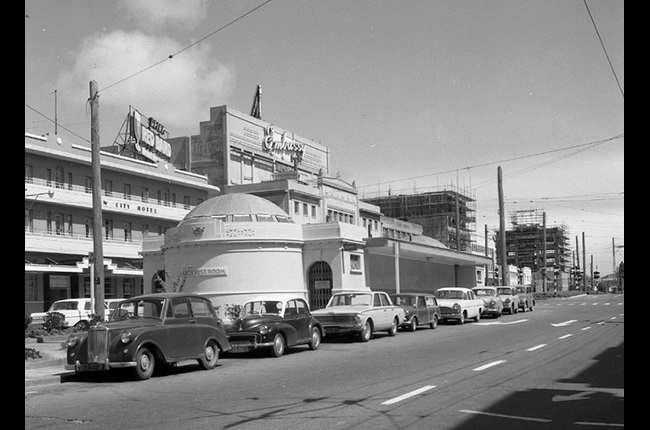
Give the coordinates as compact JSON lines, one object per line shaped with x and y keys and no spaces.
{"x":279,"y":143}
{"x":146,"y":134}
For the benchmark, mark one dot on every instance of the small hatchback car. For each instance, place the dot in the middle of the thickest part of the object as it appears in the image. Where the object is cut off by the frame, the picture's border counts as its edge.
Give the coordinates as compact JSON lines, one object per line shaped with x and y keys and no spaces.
{"x":150,"y":329}
{"x":274,"y":322}
{"x":419,"y":308}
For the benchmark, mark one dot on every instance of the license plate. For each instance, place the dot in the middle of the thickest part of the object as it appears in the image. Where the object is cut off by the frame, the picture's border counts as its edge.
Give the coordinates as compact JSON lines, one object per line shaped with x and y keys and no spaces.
{"x":90,"y":367}
{"x":240,"y":348}
{"x":332,"y":330}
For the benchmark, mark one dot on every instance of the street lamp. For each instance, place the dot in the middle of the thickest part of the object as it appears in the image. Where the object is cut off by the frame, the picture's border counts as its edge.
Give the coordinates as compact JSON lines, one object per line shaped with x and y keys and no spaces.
{"x":50,"y":193}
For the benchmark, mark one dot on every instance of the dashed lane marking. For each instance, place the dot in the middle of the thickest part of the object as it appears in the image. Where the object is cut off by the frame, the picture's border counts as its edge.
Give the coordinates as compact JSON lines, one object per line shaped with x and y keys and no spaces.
{"x":408,"y":395}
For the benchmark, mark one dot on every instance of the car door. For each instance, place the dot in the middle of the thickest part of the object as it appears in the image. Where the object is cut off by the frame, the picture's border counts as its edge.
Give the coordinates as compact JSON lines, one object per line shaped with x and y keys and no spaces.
{"x":422,"y":310}
{"x":183,"y":337}
{"x":295,"y":322}
{"x":474,"y":304}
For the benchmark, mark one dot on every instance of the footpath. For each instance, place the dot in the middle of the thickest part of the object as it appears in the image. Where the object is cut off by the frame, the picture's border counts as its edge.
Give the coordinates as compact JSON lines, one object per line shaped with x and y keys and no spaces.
{"x":49,"y":367}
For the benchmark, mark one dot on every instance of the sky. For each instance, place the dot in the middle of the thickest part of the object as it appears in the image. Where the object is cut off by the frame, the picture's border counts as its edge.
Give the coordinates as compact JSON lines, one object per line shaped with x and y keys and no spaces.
{"x":409,"y":96}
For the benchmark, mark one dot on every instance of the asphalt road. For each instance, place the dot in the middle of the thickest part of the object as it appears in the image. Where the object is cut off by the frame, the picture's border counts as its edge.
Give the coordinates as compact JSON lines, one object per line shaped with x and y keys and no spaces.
{"x":558,"y":367}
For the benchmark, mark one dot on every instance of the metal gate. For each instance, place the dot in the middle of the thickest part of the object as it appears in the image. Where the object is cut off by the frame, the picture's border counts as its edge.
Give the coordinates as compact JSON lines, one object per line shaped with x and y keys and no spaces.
{"x":320,"y":285}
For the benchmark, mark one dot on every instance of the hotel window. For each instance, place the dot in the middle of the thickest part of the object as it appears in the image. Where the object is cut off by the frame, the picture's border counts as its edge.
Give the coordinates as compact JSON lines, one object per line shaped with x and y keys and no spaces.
{"x":265,"y":218}
{"x":29,"y":220}
{"x":70,"y":224}
{"x":70,"y":181}
{"x":109,"y":289}
{"x":108,"y":187}
{"x":127,"y":232}
{"x":173,"y":200}
{"x":165,"y":196}
{"x":186,"y":202}
{"x":305,"y":210}
{"x":145,"y":230}
{"x":108,"y":224}
{"x":88,"y":185}
{"x":296,"y":208}
{"x":58,"y":224}
{"x":29,"y":173}
{"x":127,"y":191}
{"x":30,"y":287}
{"x":48,"y":177}
{"x":159,"y":196}
{"x":59,"y":177}
{"x":89,"y":227}
{"x":313,"y":211}
{"x":145,"y":194}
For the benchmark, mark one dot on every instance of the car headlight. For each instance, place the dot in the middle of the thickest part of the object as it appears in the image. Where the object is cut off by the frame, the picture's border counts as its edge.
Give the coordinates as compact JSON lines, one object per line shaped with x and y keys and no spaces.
{"x":507,"y":300}
{"x":72,"y":341}
{"x":456,"y":306}
{"x":264,"y":329}
{"x":493,"y":303}
{"x":125,"y":337}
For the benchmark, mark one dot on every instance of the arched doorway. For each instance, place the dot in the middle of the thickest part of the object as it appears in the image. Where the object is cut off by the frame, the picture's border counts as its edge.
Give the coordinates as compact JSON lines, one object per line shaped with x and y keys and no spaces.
{"x":320,"y":285}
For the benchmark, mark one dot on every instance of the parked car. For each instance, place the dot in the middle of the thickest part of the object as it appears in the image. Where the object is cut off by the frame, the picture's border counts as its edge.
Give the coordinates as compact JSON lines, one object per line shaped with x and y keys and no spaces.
{"x":493,"y":305}
{"x":77,"y":312}
{"x":149,"y":330}
{"x":419,"y":308}
{"x":509,"y":298}
{"x":360,"y":313}
{"x":459,"y":304}
{"x":111,"y":304}
{"x":526,"y":297}
{"x":274,"y":322}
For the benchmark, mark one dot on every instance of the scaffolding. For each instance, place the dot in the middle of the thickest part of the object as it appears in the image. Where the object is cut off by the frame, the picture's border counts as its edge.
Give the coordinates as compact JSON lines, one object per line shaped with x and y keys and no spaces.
{"x":525,"y":242}
{"x":442,"y":214}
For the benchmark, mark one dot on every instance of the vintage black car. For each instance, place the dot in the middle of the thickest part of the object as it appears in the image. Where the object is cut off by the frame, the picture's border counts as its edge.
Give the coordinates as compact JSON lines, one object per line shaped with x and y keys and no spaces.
{"x":274,"y":322}
{"x":150,"y":329}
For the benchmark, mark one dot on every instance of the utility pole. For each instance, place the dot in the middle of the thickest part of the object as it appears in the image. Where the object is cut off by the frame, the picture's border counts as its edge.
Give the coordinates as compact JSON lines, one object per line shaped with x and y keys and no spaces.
{"x":56,"y":121}
{"x":577,"y":264}
{"x":544,"y":252}
{"x":487,"y":254}
{"x":505,"y":276}
{"x":584,"y":263}
{"x":97,"y":284}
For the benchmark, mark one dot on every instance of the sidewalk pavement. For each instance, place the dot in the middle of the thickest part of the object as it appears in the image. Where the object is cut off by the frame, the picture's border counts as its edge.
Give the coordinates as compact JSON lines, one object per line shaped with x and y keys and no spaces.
{"x":49,"y":369}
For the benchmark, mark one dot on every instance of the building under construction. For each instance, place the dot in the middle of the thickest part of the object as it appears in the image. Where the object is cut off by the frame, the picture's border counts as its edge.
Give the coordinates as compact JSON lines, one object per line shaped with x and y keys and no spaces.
{"x":525,"y":243}
{"x":447,"y":215}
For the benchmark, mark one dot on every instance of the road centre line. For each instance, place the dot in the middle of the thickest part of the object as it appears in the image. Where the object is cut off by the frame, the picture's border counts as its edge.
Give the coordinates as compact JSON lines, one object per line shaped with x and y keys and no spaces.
{"x":565,"y":336}
{"x":534,"y":348}
{"x":585,"y":328}
{"x":539,"y":420}
{"x":486,"y":366}
{"x":408,"y":395}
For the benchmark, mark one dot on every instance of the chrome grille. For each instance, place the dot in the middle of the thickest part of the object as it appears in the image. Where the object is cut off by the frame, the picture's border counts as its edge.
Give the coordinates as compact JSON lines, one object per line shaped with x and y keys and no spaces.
{"x":334,"y":319}
{"x":98,"y":345}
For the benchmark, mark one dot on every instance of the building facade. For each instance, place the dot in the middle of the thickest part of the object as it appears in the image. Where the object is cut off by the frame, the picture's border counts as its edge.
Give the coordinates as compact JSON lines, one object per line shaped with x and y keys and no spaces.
{"x":139,"y":199}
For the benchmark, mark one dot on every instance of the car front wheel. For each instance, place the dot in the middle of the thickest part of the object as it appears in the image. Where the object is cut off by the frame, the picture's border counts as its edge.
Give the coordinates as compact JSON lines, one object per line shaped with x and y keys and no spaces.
{"x":278,"y":345}
{"x":366,"y":332}
{"x":315,"y":339}
{"x":434,"y":322}
{"x":144,"y":363}
{"x":392,"y":331}
{"x":210,"y":356}
{"x":414,"y":324}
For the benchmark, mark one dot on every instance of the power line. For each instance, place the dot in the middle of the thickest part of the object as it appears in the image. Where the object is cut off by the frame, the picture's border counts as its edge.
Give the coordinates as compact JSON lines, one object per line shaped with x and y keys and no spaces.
{"x":187,"y":47}
{"x":604,"y":50}
{"x":597,"y":142}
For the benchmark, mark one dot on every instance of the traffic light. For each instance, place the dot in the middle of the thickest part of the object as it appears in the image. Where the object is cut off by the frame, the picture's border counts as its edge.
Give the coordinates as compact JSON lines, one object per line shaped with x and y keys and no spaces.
{"x":596,"y":274}
{"x":556,"y":270}
{"x":496,"y":272}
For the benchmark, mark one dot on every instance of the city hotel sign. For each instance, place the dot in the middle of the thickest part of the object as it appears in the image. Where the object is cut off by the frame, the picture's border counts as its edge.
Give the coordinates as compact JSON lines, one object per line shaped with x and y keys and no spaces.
{"x":146,"y":135}
{"x":275,"y":142}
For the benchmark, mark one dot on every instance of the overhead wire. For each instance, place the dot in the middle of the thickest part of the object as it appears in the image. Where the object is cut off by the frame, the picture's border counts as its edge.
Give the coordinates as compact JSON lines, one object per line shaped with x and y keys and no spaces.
{"x":170,"y":56}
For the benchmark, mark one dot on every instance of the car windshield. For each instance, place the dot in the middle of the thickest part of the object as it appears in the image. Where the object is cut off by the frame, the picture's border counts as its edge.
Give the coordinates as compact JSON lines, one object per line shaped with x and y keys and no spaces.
{"x":262,"y":307}
{"x":404,"y":300}
{"x":63,"y":306}
{"x":449,"y":294}
{"x":353,"y":299}
{"x":504,"y":291}
{"x":144,"y":308}
{"x":484,"y":292}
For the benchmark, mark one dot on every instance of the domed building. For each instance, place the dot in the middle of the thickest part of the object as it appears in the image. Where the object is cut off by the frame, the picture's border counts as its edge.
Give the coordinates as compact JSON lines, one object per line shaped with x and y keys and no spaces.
{"x":236,"y":246}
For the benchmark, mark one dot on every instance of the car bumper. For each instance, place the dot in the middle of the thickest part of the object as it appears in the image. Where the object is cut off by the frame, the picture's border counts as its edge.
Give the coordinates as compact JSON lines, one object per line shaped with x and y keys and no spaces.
{"x":342,"y":328}
{"x":94,"y":367}
{"x":245,"y":342}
